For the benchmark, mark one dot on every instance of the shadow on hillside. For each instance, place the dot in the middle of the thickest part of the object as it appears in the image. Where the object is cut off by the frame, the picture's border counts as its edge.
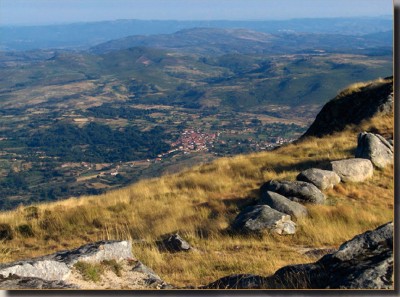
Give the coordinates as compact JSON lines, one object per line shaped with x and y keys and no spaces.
{"x":243,"y":202}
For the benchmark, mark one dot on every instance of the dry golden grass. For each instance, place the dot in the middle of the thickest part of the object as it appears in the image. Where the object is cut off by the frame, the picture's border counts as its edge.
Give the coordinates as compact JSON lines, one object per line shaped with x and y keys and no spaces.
{"x":201,"y":202}
{"x":358,"y":86}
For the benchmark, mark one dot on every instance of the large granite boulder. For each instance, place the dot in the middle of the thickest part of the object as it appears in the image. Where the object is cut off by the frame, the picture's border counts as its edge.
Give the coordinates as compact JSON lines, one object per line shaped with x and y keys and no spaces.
{"x":282,"y":204}
{"x":238,"y":281}
{"x":58,"y":271}
{"x":322,"y":179}
{"x":353,"y":170}
{"x":58,"y":266}
{"x":297,"y":191}
{"x":375,"y":148}
{"x":262,"y":217}
{"x":14,"y":282}
{"x":364,"y":262}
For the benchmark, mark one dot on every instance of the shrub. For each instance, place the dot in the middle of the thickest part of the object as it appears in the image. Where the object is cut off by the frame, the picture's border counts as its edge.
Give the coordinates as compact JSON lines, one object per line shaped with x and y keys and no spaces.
{"x":31,"y":212}
{"x":25,"y":230}
{"x":6,"y":232}
{"x":89,"y":271}
{"x":113,"y":265}
{"x":97,"y":223}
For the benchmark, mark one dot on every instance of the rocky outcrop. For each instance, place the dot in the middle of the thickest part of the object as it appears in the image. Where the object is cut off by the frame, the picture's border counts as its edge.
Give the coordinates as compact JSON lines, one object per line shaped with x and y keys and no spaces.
{"x":375,"y":148}
{"x":353,"y":170}
{"x":364,"y":262}
{"x":58,"y":266}
{"x":14,"y":282}
{"x":57,"y":271}
{"x":375,"y":98}
{"x":262,"y":217}
{"x":174,"y":243}
{"x":295,"y":190}
{"x":322,"y":179}
{"x":282,"y":204}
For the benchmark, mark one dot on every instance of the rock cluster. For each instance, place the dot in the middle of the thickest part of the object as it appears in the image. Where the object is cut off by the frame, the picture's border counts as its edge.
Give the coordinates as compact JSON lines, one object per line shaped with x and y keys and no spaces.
{"x":364,"y":262}
{"x":281,"y":201}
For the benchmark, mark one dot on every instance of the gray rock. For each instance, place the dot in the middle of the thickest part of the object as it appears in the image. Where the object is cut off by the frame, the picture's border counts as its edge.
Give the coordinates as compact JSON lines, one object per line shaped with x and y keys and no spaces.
{"x":14,"y":282}
{"x":262,"y":217}
{"x":140,"y":267}
{"x":174,"y":243}
{"x":298,"y":191}
{"x":364,"y":262}
{"x":375,"y":148}
{"x":282,"y":204}
{"x":322,"y":179}
{"x":58,"y":266}
{"x":238,"y":281}
{"x":353,"y":170}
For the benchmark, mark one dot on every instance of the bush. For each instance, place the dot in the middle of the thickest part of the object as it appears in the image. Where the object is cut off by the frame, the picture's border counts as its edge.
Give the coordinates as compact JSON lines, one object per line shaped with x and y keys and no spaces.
{"x":89,"y":271}
{"x":97,"y":223}
{"x":26,"y":230}
{"x":31,"y":212}
{"x":6,"y":232}
{"x":113,"y":265}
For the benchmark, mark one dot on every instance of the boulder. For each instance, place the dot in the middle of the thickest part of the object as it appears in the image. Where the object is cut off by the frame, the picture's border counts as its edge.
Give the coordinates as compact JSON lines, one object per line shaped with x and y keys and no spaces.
{"x":282,"y":204}
{"x":297,"y":191}
{"x":322,"y":179}
{"x":238,"y":281}
{"x":375,"y":148}
{"x":14,"y":282}
{"x":174,"y":243}
{"x":262,"y":217}
{"x":58,"y":266}
{"x":353,"y":170}
{"x":364,"y":262}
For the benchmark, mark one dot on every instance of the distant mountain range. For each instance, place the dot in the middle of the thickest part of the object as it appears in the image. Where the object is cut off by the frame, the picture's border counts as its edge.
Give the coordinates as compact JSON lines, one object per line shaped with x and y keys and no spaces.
{"x":85,"y":35}
{"x":216,"y":41}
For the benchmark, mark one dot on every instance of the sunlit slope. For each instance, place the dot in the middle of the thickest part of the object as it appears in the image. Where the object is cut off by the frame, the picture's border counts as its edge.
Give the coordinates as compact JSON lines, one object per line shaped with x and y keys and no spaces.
{"x":200,"y":204}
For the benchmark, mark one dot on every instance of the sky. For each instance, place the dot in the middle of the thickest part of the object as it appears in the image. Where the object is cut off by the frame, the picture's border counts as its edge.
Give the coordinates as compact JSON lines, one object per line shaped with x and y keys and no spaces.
{"x":41,"y":12}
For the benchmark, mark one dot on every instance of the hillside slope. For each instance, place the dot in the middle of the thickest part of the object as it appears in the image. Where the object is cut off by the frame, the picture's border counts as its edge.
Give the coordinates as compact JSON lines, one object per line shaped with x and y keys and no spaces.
{"x":202,"y":202}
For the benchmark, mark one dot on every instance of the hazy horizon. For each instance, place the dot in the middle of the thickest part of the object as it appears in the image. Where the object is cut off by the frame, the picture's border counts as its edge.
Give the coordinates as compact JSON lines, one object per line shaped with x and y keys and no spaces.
{"x":48,"y":12}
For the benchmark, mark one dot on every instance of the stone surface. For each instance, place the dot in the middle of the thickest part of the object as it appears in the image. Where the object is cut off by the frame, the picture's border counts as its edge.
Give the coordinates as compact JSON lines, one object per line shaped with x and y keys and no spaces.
{"x":322,"y":179}
{"x":262,"y":217}
{"x":14,"y":282}
{"x":377,"y":98}
{"x":238,"y":281}
{"x":375,"y":148}
{"x":353,"y":170}
{"x":298,"y":191}
{"x":364,"y":262}
{"x":283,"y":204}
{"x":174,"y":243}
{"x":57,"y":266}
{"x":140,"y":267}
